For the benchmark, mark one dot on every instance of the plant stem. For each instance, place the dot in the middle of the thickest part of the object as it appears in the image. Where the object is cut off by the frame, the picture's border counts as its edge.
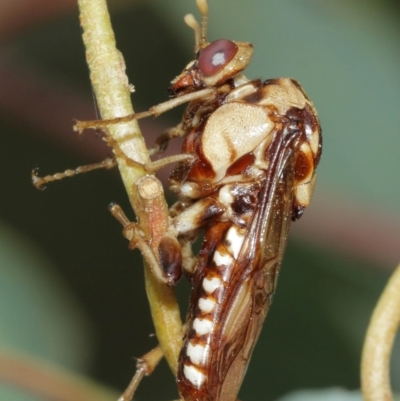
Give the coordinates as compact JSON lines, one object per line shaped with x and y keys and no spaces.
{"x":112,"y":90}
{"x":375,"y":364}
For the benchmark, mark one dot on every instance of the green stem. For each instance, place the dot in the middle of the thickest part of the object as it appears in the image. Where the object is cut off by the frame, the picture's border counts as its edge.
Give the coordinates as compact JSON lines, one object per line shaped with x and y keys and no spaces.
{"x":112,"y":90}
{"x":378,"y":344}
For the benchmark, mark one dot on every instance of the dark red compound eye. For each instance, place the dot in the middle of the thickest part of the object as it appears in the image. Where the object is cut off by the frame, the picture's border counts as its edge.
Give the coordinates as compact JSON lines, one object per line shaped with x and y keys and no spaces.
{"x":216,"y":56}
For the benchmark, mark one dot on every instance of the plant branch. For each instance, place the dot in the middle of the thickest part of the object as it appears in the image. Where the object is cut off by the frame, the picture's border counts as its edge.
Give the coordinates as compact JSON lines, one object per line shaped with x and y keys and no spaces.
{"x":375,"y":364}
{"x":112,"y":90}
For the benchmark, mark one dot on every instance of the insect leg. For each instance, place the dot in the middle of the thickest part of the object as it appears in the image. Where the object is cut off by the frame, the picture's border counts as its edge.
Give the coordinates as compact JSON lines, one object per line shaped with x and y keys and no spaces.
{"x":144,"y":367}
{"x":153,"y":111}
{"x":172,"y":255}
{"x":197,"y":215}
{"x":162,"y":141}
{"x":169,"y":249}
{"x":189,"y":261}
{"x":185,"y":226}
{"x":150,"y":167}
{"x":40,"y":182}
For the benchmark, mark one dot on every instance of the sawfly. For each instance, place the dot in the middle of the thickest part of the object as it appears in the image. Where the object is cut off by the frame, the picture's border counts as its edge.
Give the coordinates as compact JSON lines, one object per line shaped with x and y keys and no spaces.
{"x":247,"y":169}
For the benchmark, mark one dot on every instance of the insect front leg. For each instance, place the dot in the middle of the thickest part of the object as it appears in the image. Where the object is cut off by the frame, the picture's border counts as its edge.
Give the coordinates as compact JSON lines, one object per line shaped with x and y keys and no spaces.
{"x":154,"y":111}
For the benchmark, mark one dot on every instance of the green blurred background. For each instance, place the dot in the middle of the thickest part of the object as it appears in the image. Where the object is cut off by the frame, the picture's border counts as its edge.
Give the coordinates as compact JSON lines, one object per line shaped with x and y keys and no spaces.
{"x":72,"y":293}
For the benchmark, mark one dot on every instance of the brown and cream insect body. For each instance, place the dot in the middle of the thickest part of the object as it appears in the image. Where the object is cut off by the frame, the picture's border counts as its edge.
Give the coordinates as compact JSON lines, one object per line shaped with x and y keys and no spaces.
{"x":246,"y":170}
{"x":255,"y":146}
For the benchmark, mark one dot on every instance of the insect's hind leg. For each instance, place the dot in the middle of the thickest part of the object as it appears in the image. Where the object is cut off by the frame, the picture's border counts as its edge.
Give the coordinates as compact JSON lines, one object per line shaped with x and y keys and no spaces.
{"x":144,"y":367}
{"x":167,"y":265}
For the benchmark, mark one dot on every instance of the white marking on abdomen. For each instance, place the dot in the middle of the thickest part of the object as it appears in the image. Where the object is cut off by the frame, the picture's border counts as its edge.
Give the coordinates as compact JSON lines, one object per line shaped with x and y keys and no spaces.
{"x":211,"y":284}
{"x":234,"y":241}
{"x":206,"y":305}
{"x":221,"y":259}
{"x":196,"y":377}
{"x":202,"y":326}
{"x":197,"y":353}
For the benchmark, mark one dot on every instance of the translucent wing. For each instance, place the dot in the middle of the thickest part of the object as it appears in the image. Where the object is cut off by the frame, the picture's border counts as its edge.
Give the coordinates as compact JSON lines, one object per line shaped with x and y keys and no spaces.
{"x":253,"y":282}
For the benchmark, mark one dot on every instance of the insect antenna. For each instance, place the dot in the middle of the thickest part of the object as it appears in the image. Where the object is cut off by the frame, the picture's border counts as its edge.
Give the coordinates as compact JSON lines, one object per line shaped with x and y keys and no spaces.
{"x":200,"y":32}
{"x":203,"y":8}
{"x":191,"y":22}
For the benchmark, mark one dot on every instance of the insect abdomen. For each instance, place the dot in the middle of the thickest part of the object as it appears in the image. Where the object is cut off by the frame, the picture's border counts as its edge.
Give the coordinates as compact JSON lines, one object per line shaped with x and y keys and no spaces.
{"x":220,"y":250}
